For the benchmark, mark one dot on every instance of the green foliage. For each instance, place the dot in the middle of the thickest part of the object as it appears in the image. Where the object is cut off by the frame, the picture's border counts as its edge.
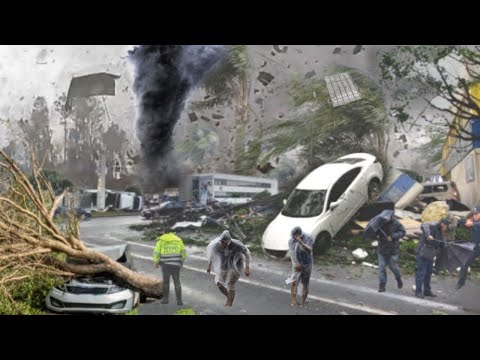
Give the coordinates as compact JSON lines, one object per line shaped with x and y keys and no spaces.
{"x":320,"y":128}
{"x":262,"y":195}
{"x":222,"y":83}
{"x":29,"y":294}
{"x":132,"y":312}
{"x":199,"y":145}
{"x":185,"y":312}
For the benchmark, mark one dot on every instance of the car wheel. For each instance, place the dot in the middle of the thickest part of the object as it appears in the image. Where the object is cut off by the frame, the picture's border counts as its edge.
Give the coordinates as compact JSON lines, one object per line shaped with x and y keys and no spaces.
{"x":373,"y":189}
{"x":143,"y":298}
{"x":322,"y":244}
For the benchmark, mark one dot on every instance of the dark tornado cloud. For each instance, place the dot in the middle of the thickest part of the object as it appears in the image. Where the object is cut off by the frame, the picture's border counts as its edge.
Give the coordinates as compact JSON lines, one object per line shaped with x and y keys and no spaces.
{"x":164,"y":77}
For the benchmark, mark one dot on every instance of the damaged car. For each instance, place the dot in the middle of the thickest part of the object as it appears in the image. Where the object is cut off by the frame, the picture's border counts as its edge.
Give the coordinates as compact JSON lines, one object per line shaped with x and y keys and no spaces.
{"x":100,"y":293}
{"x":168,"y":208}
{"x":324,"y":201}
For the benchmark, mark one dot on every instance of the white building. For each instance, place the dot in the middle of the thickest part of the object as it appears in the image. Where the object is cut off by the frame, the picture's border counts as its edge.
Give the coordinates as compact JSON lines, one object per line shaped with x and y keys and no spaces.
{"x":234,"y":189}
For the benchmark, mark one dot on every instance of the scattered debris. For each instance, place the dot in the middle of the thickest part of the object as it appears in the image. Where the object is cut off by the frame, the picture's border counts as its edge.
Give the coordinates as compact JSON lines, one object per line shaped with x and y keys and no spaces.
{"x":369,"y":265}
{"x":337,"y":50}
{"x":310,"y":74}
{"x":265,"y":78}
{"x":265,"y":168}
{"x":217,"y":116}
{"x":204,"y":118}
{"x":359,"y":254}
{"x":264,"y":64}
{"x":243,"y":311}
{"x":375,"y":243}
{"x":396,"y":153}
{"x":279,"y":49}
{"x":300,"y":51}
{"x":193,"y":117}
{"x":357,"y":49}
{"x":217,"y":124}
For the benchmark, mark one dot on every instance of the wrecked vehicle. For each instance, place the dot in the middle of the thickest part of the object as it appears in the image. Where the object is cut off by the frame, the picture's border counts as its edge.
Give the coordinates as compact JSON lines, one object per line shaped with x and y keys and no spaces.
{"x":168,"y":208}
{"x":100,"y":293}
{"x":324,"y":202}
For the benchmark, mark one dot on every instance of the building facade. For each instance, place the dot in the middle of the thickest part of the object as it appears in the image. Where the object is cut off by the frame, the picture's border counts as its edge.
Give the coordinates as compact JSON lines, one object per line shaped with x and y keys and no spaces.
{"x":461,"y":158}
{"x":234,"y":189}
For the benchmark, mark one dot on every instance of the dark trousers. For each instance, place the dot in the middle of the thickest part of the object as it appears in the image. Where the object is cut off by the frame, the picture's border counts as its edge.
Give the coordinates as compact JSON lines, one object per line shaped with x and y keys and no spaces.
{"x":174,"y":272}
{"x":423,"y":275}
{"x":464,"y":270}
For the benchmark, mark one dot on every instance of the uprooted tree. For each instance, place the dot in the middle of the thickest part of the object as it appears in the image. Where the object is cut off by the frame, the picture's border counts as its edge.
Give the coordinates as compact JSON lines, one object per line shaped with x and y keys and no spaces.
{"x":32,"y":241}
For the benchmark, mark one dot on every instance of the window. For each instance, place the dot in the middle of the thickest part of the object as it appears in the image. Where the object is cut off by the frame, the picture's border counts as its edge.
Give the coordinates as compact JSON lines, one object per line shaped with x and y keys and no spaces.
{"x":342,"y":185}
{"x":427,"y":189}
{"x":305,"y":203}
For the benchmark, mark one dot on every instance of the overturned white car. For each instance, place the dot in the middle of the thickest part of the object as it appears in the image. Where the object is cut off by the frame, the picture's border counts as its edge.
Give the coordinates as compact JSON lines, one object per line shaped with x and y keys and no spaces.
{"x":101,"y":293}
{"x":324,"y":202}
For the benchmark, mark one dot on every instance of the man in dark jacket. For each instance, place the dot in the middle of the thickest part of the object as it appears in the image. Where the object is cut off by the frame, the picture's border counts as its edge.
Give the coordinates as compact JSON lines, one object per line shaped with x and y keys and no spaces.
{"x":388,"y":230}
{"x":426,"y":250}
{"x":472,"y":223}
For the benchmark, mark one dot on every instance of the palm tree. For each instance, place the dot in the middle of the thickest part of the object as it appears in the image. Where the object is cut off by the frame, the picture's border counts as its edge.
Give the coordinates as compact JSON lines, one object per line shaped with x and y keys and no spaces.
{"x":230,"y":83}
{"x":199,"y":146}
{"x":324,"y":131}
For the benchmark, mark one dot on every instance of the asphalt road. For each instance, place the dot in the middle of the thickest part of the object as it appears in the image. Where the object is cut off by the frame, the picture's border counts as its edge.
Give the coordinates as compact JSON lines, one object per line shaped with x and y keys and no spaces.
{"x":350,"y":290}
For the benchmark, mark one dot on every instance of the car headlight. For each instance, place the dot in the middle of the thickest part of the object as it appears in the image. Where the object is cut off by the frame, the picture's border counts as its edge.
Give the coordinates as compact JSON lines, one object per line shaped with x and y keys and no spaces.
{"x":114,"y":289}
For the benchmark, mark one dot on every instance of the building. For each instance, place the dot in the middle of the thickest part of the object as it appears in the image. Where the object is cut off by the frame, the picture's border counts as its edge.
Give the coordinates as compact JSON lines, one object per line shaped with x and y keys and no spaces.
{"x":461,"y":158}
{"x":234,"y":189}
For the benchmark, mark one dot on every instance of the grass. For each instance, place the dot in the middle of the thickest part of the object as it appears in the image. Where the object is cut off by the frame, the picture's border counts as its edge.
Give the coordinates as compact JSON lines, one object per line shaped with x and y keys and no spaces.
{"x":96,"y":214}
{"x":132,"y":312}
{"x":185,"y":312}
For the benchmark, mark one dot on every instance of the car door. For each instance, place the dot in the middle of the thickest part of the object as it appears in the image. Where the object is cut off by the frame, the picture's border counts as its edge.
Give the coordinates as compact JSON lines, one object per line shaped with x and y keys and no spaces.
{"x":347,"y":198}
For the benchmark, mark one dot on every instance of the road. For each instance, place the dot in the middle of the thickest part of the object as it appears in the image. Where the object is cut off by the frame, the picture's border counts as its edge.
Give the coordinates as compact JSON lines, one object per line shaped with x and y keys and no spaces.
{"x":350,"y":290}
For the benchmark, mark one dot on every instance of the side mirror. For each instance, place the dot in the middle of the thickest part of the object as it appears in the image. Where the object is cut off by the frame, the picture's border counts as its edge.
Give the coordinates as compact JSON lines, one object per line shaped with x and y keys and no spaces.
{"x":334,"y":205}
{"x":284,"y":201}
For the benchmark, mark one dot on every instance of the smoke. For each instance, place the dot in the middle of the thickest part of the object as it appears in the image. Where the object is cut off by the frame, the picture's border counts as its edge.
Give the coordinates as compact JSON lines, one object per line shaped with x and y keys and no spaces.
{"x":164,"y":77}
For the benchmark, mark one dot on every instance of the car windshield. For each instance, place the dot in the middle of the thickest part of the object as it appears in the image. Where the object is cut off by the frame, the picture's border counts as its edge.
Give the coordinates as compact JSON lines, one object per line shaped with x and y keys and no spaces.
{"x":305,"y":203}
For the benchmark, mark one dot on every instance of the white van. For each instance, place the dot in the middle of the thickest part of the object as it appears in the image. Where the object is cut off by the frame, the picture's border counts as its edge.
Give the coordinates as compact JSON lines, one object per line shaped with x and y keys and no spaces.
{"x":324,"y":202}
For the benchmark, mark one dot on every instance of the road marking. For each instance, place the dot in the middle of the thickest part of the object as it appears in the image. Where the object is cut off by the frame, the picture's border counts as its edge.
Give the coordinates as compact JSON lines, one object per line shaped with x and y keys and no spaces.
{"x":363,"y":308}
{"x":358,"y":288}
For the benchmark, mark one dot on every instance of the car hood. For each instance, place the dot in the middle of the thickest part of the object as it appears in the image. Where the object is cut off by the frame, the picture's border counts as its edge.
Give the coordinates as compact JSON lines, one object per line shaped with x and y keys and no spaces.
{"x":277,"y":234}
{"x":114,"y":252}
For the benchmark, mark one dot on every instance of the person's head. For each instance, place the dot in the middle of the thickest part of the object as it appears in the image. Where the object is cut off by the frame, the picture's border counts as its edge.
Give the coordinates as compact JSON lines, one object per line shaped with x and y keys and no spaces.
{"x":444,"y":224}
{"x":225,"y":238}
{"x":476,"y":213}
{"x":297,"y":232}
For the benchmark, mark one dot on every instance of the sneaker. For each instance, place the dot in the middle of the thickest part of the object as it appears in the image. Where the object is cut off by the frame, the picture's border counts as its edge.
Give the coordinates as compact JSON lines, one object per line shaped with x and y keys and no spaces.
{"x":429,"y":293}
{"x":164,"y":301}
{"x":419,"y":296}
{"x":458,"y":287}
{"x":179,"y":302}
{"x":399,"y":283}
{"x":381,"y":288}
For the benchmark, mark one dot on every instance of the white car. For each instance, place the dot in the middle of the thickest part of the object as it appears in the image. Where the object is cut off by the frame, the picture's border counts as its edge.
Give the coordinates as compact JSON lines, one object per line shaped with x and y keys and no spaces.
{"x":324,"y":202}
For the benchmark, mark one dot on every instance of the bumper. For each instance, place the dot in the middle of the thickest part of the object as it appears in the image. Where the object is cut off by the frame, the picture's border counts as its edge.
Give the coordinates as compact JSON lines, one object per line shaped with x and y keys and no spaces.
{"x":62,"y":302}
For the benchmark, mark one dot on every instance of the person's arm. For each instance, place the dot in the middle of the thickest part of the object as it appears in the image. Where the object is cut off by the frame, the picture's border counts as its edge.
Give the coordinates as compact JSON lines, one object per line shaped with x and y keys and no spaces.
{"x":426,"y":231}
{"x":248,"y":258}
{"x":399,"y":231}
{"x":307,"y":245}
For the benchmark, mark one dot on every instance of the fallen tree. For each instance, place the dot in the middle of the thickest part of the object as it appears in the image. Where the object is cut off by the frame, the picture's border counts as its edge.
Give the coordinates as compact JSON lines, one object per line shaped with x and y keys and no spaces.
{"x":31,"y":241}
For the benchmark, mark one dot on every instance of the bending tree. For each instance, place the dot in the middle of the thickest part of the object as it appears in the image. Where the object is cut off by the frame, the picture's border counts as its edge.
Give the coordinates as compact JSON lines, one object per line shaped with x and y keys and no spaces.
{"x":445,"y":77}
{"x":324,"y":131}
{"x":31,"y":241}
